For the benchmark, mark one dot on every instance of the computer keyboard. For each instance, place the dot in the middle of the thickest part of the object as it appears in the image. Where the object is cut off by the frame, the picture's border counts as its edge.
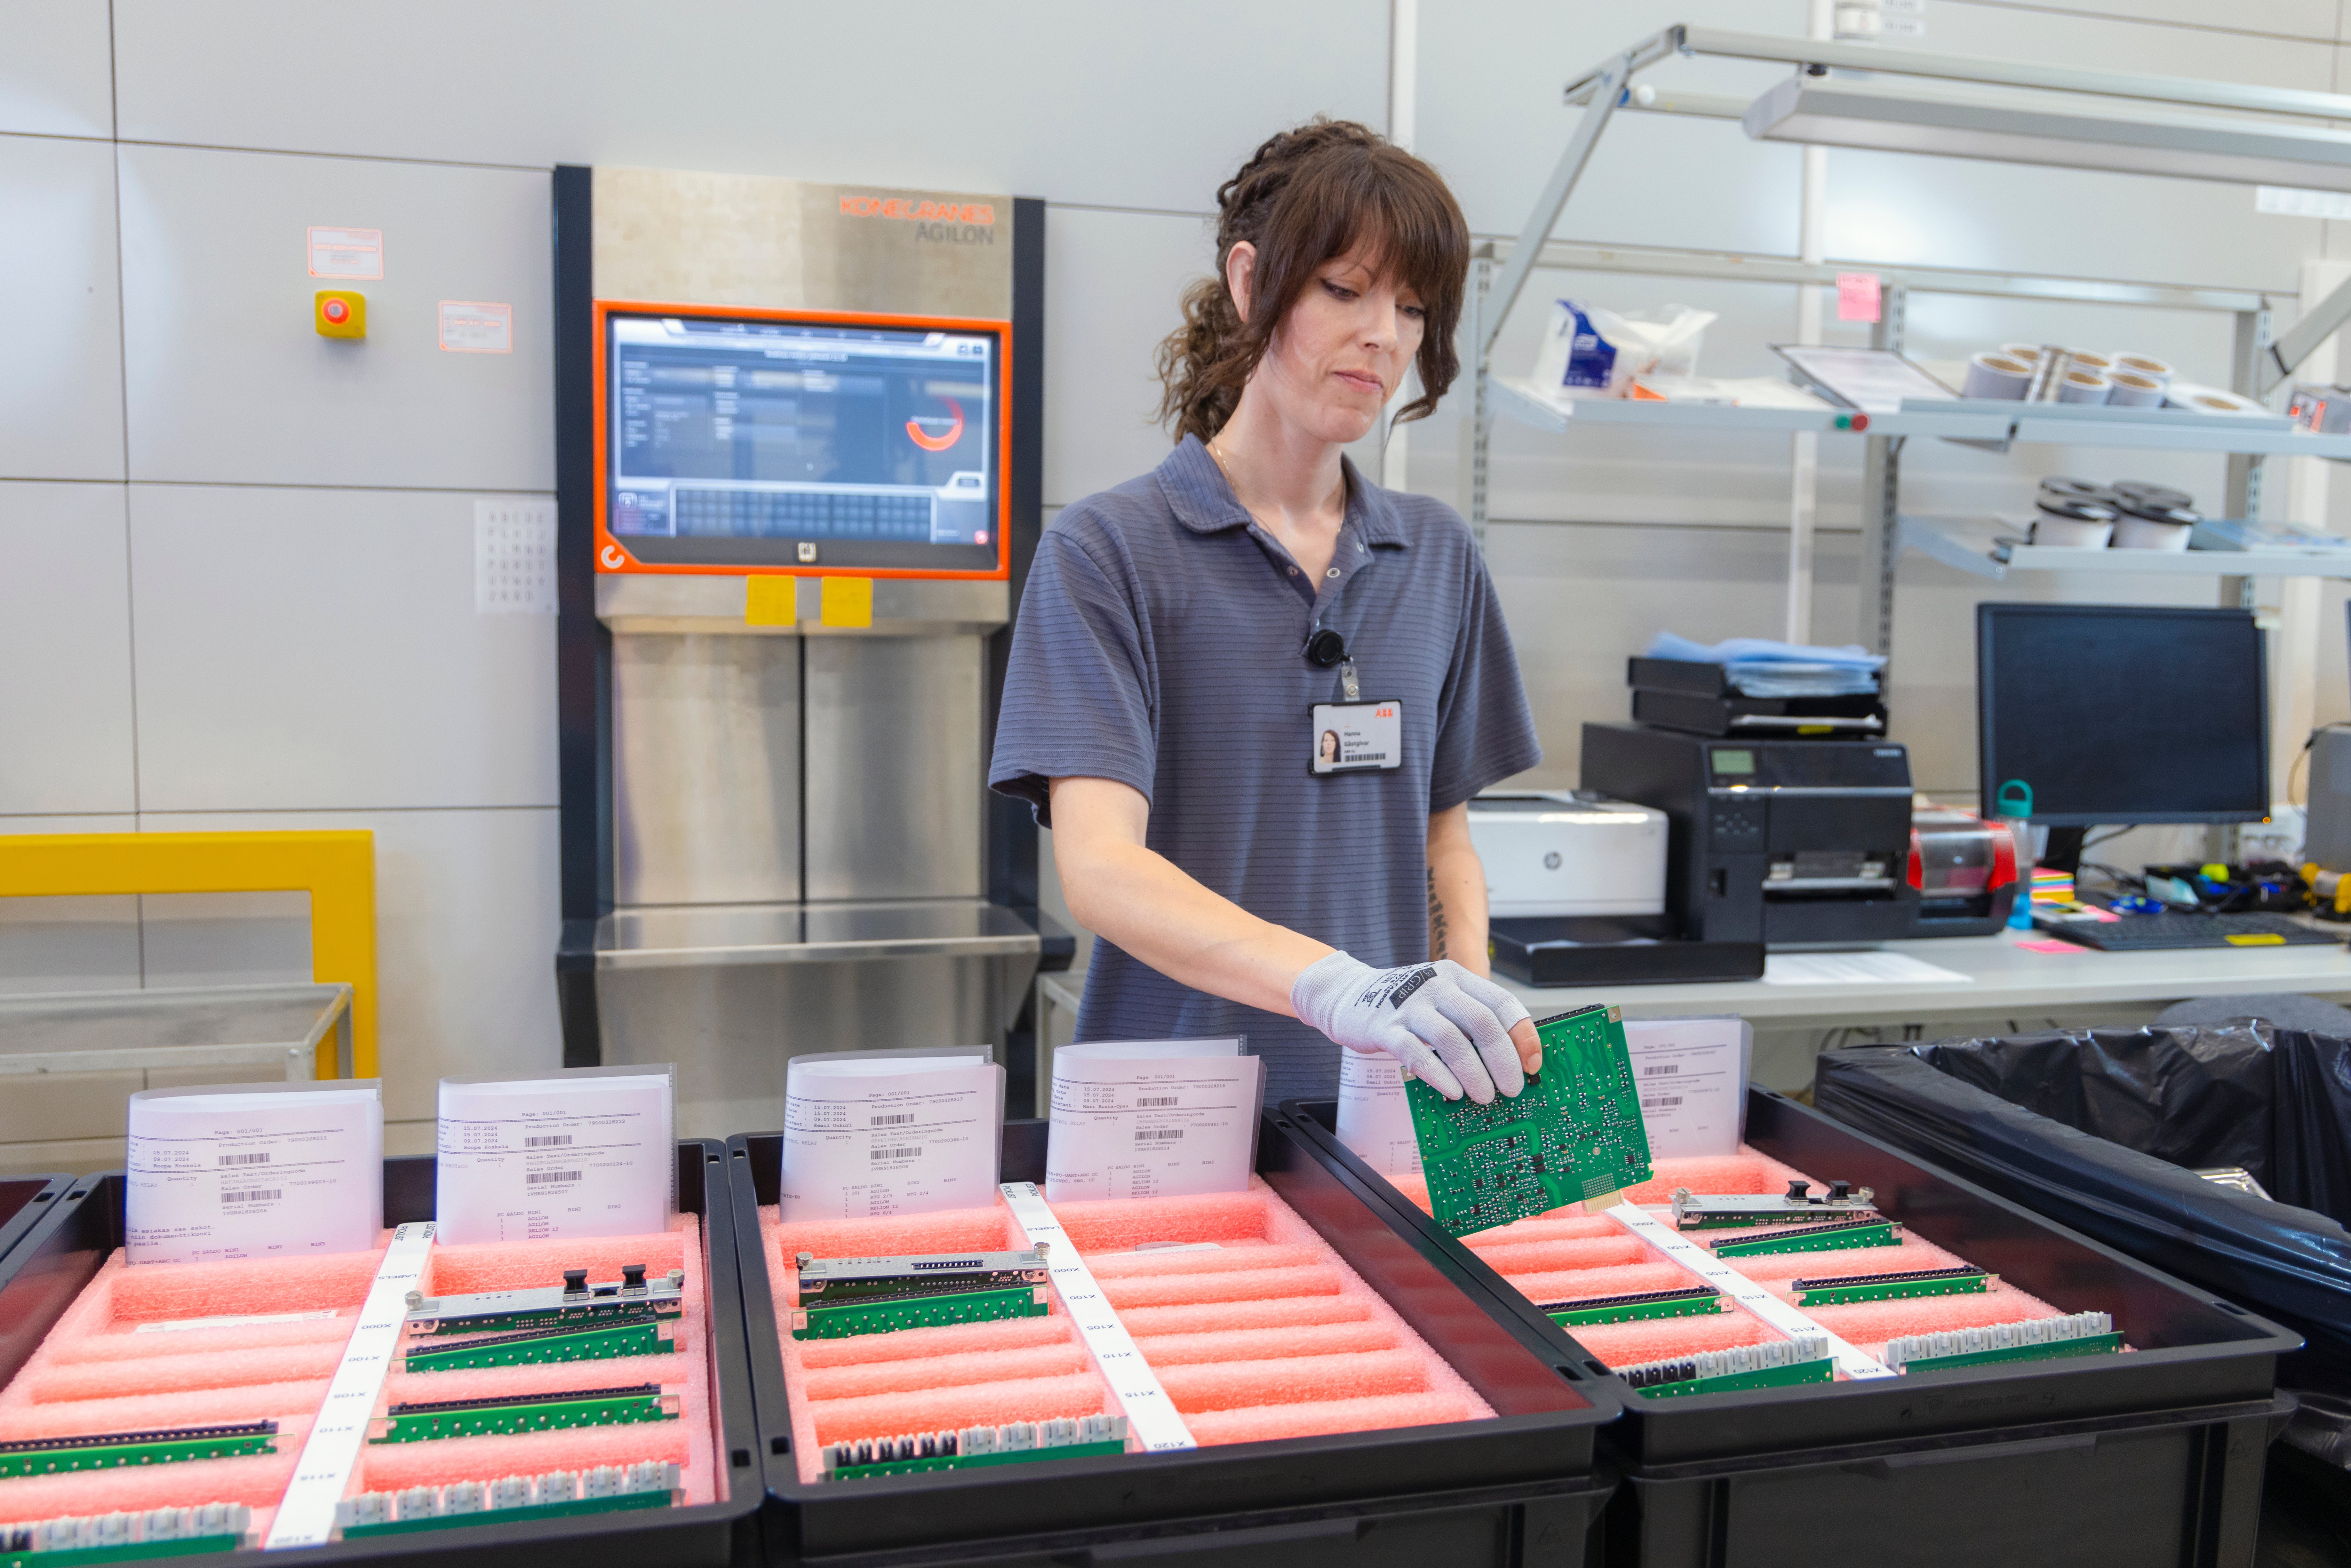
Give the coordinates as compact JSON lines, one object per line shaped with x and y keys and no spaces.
{"x":2147,"y":932}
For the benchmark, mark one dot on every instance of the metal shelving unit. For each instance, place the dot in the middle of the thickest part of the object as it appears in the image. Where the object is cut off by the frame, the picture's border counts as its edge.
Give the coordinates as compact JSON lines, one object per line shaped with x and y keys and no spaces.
{"x":1989,"y":548}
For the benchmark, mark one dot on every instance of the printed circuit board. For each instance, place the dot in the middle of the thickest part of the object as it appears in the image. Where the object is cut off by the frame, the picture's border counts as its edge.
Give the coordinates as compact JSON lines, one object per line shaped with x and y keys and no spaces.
{"x":1575,"y":1134}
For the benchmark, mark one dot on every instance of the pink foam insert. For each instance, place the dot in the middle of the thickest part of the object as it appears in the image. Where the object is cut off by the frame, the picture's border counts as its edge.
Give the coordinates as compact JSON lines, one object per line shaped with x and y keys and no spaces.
{"x":1268,"y":1335}
{"x":94,"y":1373}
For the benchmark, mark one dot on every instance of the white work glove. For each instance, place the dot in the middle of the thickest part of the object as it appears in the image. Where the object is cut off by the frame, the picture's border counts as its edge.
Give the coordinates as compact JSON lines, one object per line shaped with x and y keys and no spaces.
{"x":1449,"y":1028}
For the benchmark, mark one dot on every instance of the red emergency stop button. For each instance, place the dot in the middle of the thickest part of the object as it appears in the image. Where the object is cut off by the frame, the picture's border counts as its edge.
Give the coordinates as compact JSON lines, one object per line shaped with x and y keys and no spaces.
{"x":338,"y":311}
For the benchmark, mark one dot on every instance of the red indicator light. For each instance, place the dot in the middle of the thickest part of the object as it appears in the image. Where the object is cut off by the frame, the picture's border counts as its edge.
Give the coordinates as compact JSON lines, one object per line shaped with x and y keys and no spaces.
{"x":337,"y":310}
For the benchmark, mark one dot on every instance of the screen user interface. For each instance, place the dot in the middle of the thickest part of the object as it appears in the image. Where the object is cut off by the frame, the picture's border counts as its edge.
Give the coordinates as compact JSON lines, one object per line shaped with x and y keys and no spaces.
{"x":742,"y":440}
{"x":2123,"y":714}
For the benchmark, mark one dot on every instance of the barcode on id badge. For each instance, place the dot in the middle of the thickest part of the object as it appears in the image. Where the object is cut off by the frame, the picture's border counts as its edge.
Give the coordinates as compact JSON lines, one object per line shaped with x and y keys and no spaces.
{"x":259,"y":1195}
{"x":548,"y":1141}
{"x":1660,"y":1102}
{"x":1157,"y":1134}
{"x":904,"y":1154}
{"x":1153,"y":1102}
{"x":540,"y":1178}
{"x":899,"y":1120}
{"x":245,"y":1159}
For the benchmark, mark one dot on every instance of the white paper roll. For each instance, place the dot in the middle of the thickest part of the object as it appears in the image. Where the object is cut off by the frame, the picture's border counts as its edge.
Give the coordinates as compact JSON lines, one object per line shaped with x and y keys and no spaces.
{"x":2084,"y":386}
{"x":1997,"y":376}
{"x":2145,"y":533}
{"x":2090,"y":360}
{"x":2028,"y":353}
{"x":2129,"y":389}
{"x":2146,"y":365}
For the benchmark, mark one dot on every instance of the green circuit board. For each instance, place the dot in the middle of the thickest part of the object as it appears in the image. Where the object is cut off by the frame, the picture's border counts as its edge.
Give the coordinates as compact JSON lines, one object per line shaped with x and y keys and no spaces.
{"x":1843,"y":1236}
{"x":121,"y":1552}
{"x":1575,"y":1134}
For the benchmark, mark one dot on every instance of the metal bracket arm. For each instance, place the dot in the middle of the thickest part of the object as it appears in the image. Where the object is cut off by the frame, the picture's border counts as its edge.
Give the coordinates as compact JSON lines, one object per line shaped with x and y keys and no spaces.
{"x":2317,"y":324}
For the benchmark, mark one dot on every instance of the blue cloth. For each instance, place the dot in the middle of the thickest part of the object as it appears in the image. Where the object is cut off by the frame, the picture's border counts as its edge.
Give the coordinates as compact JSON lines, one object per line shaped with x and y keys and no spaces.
{"x":1160,"y":643}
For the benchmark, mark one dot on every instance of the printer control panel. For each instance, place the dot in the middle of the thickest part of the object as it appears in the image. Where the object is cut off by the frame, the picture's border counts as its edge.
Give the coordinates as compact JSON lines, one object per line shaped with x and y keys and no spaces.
{"x":1737,"y":824}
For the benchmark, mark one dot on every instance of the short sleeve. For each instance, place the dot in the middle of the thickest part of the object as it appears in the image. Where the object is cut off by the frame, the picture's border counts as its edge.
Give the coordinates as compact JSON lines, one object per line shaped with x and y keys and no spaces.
{"x":1485,"y":730}
{"x":1079,"y":698}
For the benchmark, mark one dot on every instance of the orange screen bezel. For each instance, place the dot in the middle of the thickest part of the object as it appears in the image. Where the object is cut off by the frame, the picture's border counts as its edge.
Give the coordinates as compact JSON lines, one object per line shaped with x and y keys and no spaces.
{"x":613,"y":556}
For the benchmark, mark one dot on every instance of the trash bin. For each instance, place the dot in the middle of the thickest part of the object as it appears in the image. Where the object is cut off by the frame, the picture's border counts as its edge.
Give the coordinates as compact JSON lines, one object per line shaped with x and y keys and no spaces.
{"x":2105,"y":1130}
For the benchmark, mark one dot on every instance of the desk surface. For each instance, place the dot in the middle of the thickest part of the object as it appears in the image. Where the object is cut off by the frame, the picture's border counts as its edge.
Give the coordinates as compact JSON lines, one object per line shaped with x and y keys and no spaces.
{"x":2003,"y":976}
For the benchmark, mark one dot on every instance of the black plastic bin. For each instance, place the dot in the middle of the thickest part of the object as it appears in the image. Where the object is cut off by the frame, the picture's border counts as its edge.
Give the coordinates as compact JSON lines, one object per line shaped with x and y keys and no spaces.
{"x":1517,"y":1491}
{"x":40,"y":1278}
{"x":23,"y":1201}
{"x":2152,"y":1456}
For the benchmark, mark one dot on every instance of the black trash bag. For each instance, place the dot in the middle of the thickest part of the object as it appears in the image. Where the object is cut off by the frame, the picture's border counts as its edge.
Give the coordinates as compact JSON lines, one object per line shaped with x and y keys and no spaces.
{"x":2291,"y":1264}
{"x":2310,"y":1113}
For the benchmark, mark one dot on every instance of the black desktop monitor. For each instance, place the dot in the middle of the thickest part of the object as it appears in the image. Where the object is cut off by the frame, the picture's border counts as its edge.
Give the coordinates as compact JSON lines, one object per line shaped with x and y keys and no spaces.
{"x":2114,"y":713}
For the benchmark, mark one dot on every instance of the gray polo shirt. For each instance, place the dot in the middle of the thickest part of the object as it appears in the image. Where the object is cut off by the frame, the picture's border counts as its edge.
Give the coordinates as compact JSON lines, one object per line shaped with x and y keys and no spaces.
{"x":1161,"y":644}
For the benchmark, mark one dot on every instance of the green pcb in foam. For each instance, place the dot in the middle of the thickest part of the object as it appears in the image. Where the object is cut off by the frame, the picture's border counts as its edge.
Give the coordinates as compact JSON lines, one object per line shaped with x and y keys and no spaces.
{"x":842,"y":1320}
{"x":1575,"y":1133}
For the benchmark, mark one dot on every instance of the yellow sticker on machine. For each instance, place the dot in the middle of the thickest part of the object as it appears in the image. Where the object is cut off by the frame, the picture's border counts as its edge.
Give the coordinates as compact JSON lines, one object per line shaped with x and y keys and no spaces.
{"x":2256,"y":939}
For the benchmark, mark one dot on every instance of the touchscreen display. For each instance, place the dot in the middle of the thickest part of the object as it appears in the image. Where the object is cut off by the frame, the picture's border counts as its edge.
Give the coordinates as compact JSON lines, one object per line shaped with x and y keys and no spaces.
{"x":744,"y":439}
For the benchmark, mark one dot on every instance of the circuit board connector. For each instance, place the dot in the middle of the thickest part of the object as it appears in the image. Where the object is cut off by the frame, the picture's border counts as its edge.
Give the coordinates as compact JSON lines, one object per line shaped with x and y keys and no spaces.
{"x":1062,"y":1438}
{"x":1798,"y":1205}
{"x":510,"y":1500}
{"x":575,"y":1306}
{"x":1778,"y":1364}
{"x":2035,"y":1339}
{"x":126,"y":1537}
{"x":841,"y":1296}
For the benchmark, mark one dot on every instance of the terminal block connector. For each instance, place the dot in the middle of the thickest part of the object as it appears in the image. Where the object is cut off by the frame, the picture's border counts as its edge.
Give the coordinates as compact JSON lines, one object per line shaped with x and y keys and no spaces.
{"x":1680,"y":1303}
{"x":1846,"y":1289}
{"x":1777,"y":1364}
{"x":655,"y":1337}
{"x":841,"y":1296}
{"x":1063,"y":1438}
{"x":510,"y":1500}
{"x":1834,"y":1237}
{"x":114,"y":1450}
{"x":2038,"y":1339}
{"x":576,"y":1306}
{"x":422,"y":1421}
{"x":1717,"y":1211}
{"x":125,"y":1537}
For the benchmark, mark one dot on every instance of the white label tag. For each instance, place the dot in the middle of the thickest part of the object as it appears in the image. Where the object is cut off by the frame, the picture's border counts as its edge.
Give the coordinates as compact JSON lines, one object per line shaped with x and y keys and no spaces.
{"x":1740,"y":1288}
{"x":1352,"y":738}
{"x":1374,"y":1116}
{"x":1163,"y":1119}
{"x":1150,"y":1415}
{"x":346,"y":253}
{"x":875,"y":1132}
{"x":475,"y":327}
{"x":540,"y":1159}
{"x":1692,"y":1074}
{"x":306,"y":1514}
{"x":254,"y":1172}
{"x":514,"y":556}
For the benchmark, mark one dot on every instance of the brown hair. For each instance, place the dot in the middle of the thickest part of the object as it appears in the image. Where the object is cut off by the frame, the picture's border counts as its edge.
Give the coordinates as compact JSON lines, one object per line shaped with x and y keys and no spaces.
{"x":1308,"y":195}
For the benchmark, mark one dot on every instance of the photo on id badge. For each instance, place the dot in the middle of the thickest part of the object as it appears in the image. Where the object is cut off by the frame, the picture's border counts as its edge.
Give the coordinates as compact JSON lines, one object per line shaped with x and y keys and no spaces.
{"x":1354,"y":737}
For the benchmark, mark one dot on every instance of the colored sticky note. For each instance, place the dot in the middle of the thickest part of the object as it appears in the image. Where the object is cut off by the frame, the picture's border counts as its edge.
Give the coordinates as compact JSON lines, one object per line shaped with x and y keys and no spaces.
{"x":2051,"y":944}
{"x":847,"y":602}
{"x":770,"y":600}
{"x":1858,"y":297}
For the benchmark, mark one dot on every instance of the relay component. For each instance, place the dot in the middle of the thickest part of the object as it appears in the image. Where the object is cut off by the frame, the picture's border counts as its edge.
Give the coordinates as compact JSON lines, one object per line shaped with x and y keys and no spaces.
{"x":1834,"y":1237}
{"x":575,"y":1306}
{"x":1777,"y":1364}
{"x":125,"y":1537}
{"x":115,"y":1450}
{"x":2036,"y":1339}
{"x":655,"y":1337}
{"x":1799,"y":1203}
{"x":1575,"y":1133}
{"x":419,"y":1421}
{"x":1847,"y":1288}
{"x":510,"y":1500}
{"x":1064,"y":1437}
{"x":1681,"y":1303}
{"x":841,"y":1296}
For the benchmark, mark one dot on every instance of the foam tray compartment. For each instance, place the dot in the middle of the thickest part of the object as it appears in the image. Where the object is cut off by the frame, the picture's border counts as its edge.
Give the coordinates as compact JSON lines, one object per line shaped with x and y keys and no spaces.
{"x":83,"y":1353}
{"x":1295,"y":1359}
{"x":2053,"y":1461}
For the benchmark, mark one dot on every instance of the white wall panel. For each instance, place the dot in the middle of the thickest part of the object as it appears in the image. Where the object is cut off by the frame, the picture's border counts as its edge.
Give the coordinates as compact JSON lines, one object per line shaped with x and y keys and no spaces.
{"x":60,"y":311}
{"x":1119,"y":105}
{"x":465,"y":914}
{"x":56,"y":67}
{"x":68,"y":944}
{"x":64,"y":643}
{"x":2282,"y":18}
{"x":230,"y":382}
{"x":1114,"y":282}
{"x":224,"y":938}
{"x":316,"y":649}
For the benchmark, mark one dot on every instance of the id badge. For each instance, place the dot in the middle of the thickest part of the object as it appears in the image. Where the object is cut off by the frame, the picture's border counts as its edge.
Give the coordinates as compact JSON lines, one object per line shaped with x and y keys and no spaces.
{"x":1356,"y":737}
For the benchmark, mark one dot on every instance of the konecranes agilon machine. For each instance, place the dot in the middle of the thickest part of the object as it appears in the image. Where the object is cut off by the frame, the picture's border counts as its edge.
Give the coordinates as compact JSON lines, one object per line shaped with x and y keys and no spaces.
{"x":798,"y":479}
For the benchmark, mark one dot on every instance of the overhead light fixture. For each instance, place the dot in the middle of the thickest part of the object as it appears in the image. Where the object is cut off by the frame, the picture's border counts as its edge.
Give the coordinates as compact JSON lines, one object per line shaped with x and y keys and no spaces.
{"x":1841,"y":112}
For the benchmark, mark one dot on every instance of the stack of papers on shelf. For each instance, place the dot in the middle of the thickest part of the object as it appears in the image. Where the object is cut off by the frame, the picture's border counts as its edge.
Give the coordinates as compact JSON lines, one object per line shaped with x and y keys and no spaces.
{"x":1744,"y":392}
{"x":1756,"y":667}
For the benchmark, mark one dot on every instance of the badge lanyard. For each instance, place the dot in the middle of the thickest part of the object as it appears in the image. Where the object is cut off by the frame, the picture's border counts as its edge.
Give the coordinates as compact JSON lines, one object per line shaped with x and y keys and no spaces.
{"x":1351,"y":735}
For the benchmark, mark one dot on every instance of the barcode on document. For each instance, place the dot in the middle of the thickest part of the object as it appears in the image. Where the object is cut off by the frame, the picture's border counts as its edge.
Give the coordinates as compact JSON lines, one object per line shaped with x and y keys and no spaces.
{"x":1654,"y":1072}
{"x":540,"y":1178}
{"x":549,"y":1140}
{"x":899,"y":1120}
{"x":1153,"y":1102}
{"x":258,"y":1194}
{"x":1157,"y":1134}
{"x":904,"y":1154}
{"x":245,"y":1159}
{"x":1660,"y":1102}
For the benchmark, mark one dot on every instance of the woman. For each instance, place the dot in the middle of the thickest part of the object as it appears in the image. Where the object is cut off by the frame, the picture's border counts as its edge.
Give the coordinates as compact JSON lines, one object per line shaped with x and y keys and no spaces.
{"x":1186,"y":639}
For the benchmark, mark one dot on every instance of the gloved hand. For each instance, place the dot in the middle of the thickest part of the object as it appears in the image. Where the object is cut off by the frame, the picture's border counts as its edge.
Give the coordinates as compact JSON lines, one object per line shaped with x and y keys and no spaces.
{"x":1449,"y":1028}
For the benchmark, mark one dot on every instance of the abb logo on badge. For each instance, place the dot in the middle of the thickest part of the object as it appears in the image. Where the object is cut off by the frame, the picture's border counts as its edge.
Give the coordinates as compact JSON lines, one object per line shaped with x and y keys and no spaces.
{"x":1387,"y":710}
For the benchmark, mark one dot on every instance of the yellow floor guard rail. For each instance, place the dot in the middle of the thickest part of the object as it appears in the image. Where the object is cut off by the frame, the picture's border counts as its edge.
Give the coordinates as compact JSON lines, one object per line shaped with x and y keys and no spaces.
{"x":336,"y":869}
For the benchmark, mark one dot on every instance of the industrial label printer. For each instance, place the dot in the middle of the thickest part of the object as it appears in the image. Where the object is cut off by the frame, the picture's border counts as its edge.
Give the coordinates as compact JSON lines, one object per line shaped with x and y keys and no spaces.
{"x":798,"y":475}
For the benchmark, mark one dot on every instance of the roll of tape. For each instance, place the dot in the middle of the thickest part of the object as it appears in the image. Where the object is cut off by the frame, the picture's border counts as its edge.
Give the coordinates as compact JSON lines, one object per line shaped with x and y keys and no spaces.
{"x":2209,"y":400}
{"x":2090,"y":360}
{"x":2132,"y":390}
{"x":2146,"y":365}
{"x":2084,"y":386}
{"x":2141,"y":494}
{"x":2059,"y":490}
{"x":2029,"y":352}
{"x":1997,"y":376}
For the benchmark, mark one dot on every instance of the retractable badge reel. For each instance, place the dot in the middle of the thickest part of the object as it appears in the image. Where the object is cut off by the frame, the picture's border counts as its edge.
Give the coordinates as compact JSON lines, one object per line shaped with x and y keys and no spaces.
{"x":1354,"y":735}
